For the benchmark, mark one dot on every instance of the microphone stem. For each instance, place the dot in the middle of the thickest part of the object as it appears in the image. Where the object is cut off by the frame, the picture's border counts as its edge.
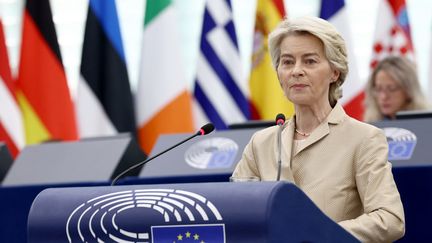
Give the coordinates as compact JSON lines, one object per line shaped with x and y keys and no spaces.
{"x":279,"y":153}
{"x":114,"y":181}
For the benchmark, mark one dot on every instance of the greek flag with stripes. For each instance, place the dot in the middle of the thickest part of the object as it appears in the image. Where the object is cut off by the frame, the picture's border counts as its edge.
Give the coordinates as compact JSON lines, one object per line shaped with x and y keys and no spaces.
{"x":220,"y":88}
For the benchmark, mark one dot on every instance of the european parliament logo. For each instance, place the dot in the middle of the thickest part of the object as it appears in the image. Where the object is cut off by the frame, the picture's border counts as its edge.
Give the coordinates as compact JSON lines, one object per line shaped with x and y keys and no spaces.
{"x":401,"y":143}
{"x":212,"y":153}
{"x":146,"y":215}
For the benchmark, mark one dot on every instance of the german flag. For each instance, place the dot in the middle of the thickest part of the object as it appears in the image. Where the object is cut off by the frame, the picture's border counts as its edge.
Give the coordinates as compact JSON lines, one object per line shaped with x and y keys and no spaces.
{"x":44,"y":96}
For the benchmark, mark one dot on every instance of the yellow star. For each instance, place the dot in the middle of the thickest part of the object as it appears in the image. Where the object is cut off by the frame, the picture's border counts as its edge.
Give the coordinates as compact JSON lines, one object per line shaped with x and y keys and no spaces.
{"x":202,"y":241}
{"x":188,"y":234}
{"x":179,"y":237}
{"x":196,"y":236}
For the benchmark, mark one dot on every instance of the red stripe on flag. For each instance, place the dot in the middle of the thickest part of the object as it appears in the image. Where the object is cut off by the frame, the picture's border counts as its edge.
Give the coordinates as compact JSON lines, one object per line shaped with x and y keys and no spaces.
{"x":396,"y":5}
{"x":354,"y":107}
{"x":280,"y":7}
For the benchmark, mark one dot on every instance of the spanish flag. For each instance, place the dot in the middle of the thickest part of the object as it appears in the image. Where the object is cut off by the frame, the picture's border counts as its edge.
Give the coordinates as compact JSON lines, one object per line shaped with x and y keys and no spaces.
{"x":266,"y":94}
{"x":44,"y":96}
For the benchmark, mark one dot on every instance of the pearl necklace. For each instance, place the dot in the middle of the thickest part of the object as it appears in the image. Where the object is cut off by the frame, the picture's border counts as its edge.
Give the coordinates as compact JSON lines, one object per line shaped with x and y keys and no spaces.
{"x":302,"y":133}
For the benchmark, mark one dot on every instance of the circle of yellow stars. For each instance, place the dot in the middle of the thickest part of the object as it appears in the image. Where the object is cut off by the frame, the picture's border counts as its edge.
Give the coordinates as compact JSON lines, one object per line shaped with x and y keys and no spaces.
{"x":188,"y":235}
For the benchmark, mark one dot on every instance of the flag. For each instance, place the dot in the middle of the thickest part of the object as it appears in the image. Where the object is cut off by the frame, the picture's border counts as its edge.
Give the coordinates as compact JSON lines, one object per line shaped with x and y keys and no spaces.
{"x":198,"y":233}
{"x":335,"y":12}
{"x":266,"y":94}
{"x":392,"y":32}
{"x":430,"y":66}
{"x":221,"y":94}
{"x":104,"y":102}
{"x":44,"y":97}
{"x":11,"y":127}
{"x":163,"y":100}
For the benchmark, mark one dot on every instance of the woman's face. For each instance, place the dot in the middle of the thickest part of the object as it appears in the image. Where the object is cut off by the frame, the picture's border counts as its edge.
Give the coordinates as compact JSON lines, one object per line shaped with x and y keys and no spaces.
{"x":304,"y":71}
{"x":389,"y":95}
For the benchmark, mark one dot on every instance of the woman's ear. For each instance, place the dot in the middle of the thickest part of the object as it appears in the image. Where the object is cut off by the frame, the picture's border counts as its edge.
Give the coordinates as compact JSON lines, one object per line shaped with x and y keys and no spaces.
{"x":335,"y":76}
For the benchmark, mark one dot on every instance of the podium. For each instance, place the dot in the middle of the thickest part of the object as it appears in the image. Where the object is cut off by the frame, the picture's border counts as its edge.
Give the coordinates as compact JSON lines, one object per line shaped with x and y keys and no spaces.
{"x":199,"y":212}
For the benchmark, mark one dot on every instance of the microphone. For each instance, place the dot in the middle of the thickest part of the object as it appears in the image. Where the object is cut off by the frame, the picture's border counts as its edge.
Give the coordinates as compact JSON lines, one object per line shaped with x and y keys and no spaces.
{"x":204,"y":130}
{"x":280,"y":120}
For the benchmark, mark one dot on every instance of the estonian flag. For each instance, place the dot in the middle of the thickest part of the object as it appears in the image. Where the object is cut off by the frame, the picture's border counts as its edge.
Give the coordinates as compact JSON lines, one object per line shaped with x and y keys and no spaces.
{"x":104,"y":98}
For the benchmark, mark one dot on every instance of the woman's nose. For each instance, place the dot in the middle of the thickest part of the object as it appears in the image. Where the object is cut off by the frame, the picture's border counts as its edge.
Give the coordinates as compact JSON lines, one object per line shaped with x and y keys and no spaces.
{"x":383,"y":95}
{"x":297,"y":70}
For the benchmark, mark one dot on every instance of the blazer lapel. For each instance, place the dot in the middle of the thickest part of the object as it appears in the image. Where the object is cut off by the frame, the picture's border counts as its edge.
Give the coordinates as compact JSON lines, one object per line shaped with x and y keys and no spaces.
{"x":287,"y":141}
{"x":336,"y":116}
{"x":321,"y":131}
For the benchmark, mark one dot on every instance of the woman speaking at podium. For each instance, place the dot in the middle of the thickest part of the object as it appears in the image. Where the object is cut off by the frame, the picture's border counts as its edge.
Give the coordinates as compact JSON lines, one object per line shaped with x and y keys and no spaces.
{"x":339,"y":162}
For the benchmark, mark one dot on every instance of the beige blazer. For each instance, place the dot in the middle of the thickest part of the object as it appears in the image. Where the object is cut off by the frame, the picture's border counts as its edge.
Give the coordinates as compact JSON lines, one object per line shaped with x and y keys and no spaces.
{"x":342,"y":166}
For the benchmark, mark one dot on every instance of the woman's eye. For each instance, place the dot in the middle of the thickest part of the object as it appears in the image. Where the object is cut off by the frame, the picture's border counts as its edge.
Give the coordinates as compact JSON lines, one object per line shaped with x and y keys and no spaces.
{"x":287,"y":62}
{"x":310,"y":61}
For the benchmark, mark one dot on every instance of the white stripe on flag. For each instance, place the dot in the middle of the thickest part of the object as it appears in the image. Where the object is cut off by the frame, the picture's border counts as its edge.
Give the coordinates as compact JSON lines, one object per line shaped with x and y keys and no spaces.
{"x":10,"y":115}
{"x":91,"y":116}
{"x":217,"y":94}
{"x":200,"y":117}
{"x":228,"y":54}
{"x":220,"y":11}
{"x":430,"y":69}
{"x":353,"y":85}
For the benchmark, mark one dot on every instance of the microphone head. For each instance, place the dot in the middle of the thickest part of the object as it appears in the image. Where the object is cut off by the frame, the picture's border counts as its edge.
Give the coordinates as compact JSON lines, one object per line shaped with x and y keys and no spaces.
{"x":280,"y":119}
{"x":206,"y":129}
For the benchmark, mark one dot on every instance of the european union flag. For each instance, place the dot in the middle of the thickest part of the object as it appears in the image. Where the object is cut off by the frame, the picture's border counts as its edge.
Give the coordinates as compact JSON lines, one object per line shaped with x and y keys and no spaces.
{"x":203,"y":233}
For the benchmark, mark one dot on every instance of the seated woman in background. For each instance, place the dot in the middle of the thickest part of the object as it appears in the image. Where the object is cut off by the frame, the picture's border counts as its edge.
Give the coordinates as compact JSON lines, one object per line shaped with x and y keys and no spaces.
{"x":393,"y":87}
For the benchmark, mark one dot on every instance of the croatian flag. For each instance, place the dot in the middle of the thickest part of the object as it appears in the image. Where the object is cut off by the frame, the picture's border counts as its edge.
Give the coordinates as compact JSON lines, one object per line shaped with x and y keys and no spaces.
{"x":392,"y":32}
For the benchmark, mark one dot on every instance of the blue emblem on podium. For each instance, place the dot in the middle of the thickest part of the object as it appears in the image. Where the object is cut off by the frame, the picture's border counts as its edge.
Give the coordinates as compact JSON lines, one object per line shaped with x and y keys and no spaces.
{"x":212,"y":153}
{"x":105,"y":218}
{"x":401,"y":143}
{"x":207,"y":233}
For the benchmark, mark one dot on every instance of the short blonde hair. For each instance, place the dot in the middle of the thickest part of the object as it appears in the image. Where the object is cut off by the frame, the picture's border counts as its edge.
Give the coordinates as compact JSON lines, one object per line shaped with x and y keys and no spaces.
{"x":334,"y":46}
{"x":404,"y":73}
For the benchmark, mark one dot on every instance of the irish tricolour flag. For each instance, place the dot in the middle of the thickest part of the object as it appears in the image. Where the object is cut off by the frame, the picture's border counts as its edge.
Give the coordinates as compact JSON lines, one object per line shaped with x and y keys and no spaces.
{"x":163,"y":103}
